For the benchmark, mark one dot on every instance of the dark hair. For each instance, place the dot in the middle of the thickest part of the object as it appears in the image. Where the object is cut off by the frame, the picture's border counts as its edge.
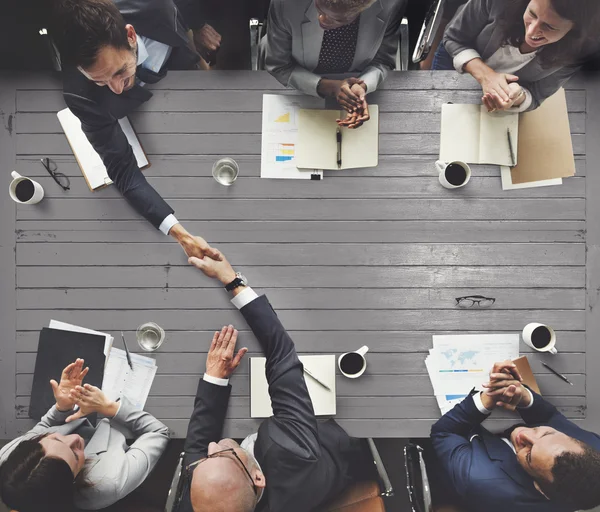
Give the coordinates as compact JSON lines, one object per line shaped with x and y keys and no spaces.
{"x":575,"y":478}
{"x":571,"y":49}
{"x":81,"y":28}
{"x":32,"y":482}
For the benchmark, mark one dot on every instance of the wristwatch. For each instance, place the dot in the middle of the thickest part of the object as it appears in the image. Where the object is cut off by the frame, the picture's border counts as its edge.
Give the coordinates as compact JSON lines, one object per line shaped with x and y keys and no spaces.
{"x":240,"y":280}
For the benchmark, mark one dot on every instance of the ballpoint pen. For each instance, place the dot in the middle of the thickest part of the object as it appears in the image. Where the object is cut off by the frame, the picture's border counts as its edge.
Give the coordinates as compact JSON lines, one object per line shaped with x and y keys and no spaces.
{"x":510,"y":148}
{"x":338,"y":135}
{"x":308,"y":372}
{"x":557,"y":373}
{"x":126,"y":351}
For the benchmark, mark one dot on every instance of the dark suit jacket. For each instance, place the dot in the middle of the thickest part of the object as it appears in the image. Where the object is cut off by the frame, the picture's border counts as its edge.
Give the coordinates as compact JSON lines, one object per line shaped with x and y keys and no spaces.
{"x":483,"y":470}
{"x":99,"y":109}
{"x":305,"y":463}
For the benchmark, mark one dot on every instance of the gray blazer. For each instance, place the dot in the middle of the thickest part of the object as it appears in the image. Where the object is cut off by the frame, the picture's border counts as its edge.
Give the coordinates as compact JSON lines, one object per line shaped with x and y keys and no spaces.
{"x":113,"y":468}
{"x":294,"y":38}
{"x":474,"y":32}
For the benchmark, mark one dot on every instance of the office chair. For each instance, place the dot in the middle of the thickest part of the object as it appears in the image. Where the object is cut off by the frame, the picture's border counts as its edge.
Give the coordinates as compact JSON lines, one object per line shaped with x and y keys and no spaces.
{"x":417,"y":482}
{"x":429,"y":29}
{"x":403,"y":47}
{"x":365,"y":496}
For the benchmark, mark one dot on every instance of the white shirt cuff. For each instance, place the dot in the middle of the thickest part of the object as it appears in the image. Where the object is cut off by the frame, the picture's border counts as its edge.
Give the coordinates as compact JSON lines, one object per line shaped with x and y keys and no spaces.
{"x":244,"y":297}
{"x":463,"y":57}
{"x":215,"y":380}
{"x":168,"y":223}
{"x":479,"y":404}
{"x":531,"y":402}
{"x":526,"y":102}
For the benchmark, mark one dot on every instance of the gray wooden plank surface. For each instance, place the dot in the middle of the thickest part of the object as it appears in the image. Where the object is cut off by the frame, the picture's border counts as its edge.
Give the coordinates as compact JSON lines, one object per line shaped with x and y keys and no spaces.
{"x":389,"y":249}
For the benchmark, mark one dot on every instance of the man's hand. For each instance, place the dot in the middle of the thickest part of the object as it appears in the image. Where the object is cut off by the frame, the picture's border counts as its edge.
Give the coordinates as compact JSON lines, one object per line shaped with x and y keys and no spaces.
{"x":221,"y":270}
{"x":71,"y":377}
{"x":357,"y":118}
{"x":193,"y":245}
{"x":220,"y":362}
{"x":91,"y":399}
{"x":206,"y":40}
{"x":505,"y":386}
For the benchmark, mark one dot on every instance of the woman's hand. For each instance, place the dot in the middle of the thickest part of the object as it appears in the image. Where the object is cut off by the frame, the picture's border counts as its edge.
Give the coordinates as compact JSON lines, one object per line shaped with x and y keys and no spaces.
{"x":91,"y":399}
{"x":71,"y":377}
{"x":344,"y":91}
{"x":499,"y":90}
{"x":515,"y":98}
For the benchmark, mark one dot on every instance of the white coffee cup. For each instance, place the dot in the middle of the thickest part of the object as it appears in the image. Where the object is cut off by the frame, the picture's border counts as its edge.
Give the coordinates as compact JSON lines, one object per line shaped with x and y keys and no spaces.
{"x":441,"y":168}
{"x":38,"y":191}
{"x":528,"y":334}
{"x":356,"y":359}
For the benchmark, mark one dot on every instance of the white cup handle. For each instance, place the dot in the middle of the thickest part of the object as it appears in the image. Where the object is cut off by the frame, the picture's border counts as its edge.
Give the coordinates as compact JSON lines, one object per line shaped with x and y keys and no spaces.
{"x":553,"y":350}
{"x":440,"y":166}
{"x":362,"y":350}
{"x":15,"y":175}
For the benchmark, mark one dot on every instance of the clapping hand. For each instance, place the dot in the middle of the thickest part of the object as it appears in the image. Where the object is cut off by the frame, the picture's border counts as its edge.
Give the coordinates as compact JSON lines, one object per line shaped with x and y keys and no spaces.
{"x":221,"y":362}
{"x":91,"y":399}
{"x":71,"y":377}
{"x":505,"y":385}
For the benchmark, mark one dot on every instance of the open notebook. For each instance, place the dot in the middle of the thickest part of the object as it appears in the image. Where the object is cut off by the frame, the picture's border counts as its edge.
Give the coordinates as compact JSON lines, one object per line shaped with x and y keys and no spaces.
{"x":89,"y":161}
{"x":470,"y":134}
{"x":324,"y":400}
{"x":317,"y":146}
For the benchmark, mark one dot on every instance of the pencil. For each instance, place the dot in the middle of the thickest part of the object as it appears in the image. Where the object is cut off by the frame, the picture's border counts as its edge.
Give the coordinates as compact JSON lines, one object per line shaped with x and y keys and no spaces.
{"x":126,"y":351}
{"x":557,"y":374}
{"x":308,"y":372}
{"x":510,"y":148}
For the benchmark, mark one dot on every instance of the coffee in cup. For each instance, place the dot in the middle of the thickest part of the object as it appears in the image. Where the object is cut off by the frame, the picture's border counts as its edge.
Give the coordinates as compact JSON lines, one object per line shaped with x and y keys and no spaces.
{"x":454,"y":174}
{"x":353,"y":364}
{"x":24,"y":190}
{"x":540,"y":337}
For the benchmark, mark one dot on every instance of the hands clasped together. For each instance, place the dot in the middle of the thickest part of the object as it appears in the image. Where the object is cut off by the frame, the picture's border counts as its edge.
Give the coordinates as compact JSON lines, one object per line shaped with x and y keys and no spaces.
{"x":501,"y":91}
{"x":505,"y":388}
{"x":351,"y":94}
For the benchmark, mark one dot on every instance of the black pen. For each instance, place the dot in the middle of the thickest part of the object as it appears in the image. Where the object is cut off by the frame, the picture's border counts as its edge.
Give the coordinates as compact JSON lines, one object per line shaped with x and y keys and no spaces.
{"x":126,"y":351}
{"x":338,"y":135}
{"x":510,"y":148}
{"x":556,"y":373}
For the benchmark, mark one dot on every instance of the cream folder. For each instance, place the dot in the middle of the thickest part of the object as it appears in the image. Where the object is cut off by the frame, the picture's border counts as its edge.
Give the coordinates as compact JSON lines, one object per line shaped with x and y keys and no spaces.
{"x":317,"y":140}
{"x":324,"y":400}
{"x":470,"y":134}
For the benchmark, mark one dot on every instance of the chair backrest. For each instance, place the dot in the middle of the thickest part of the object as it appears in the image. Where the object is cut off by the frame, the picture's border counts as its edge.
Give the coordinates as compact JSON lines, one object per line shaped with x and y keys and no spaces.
{"x":429,"y":30}
{"x":417,"y":482}
{"x":176,"y":488}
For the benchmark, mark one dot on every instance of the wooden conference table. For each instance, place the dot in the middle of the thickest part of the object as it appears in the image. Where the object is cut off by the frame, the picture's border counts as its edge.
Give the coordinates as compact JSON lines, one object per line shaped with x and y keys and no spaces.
{"x":372,"y":256}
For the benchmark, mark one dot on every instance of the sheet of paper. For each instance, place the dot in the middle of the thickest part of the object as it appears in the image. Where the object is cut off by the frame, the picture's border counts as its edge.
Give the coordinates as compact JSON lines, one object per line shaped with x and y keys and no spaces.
{"x":63,"y":326}
{"x":280,"y":135}
{"x":493,"y":137}
{"x":360,"y":146}
{"x":460,"y":362}
{"x":120,"y":380}
{"x":90,"y":162}
{"x":507,"y":183}
{"x":459,"y":139}
{"x":545,"y":145}
{"x":317,"y":139}
{"x":323,"y":400}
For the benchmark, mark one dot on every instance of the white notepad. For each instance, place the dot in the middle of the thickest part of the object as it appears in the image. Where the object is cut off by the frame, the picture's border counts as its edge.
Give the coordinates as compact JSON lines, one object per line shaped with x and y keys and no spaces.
{"x":120,"y":380}
{"x":89,"y":161}
{"x":470,"y":134}
{"x":317,"y":140}
{"x":324,"y":400}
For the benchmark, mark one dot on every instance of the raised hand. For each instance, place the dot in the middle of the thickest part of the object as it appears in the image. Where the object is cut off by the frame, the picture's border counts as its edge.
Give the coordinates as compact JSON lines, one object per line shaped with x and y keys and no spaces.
{"x":91,"y":399}
{"x":71,"y":377}
{"x":221,"y":362}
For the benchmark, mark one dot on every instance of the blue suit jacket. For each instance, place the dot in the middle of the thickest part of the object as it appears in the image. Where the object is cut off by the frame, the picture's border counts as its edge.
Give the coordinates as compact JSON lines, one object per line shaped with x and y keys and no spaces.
{"x":481,"y":467}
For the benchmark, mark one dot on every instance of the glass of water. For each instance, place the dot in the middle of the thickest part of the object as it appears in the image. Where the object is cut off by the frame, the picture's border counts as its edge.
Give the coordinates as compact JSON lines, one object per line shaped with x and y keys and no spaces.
{"x":225,"y":171}
{"x":150,"y":336}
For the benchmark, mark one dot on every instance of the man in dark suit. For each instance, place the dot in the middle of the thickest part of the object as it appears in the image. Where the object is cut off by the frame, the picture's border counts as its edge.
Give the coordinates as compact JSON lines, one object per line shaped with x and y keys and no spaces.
{"x":109,"y":51}
{"x":293,"y":463}
{"x":547,"y":464}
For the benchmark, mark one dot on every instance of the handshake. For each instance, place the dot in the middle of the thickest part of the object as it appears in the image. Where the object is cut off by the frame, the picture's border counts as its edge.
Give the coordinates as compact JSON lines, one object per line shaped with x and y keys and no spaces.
{"x":505,"y":388}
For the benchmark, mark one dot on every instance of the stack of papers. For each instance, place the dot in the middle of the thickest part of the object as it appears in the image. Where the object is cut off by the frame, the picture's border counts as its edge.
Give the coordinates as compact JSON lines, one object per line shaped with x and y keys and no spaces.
{"x":459,"y":363}
{"x":119,"y":380}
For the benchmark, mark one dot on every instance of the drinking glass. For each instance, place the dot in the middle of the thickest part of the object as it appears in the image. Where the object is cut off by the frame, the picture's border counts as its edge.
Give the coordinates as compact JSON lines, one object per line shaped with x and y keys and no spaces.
{"x":150,"y":336}
{"x":225,"y":171}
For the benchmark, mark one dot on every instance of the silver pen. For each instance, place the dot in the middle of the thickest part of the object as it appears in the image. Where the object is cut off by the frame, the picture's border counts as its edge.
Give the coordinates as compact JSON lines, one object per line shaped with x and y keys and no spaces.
{"x":510,"y":148}
{"x":127,"y":351}
{"x":308,"y":372}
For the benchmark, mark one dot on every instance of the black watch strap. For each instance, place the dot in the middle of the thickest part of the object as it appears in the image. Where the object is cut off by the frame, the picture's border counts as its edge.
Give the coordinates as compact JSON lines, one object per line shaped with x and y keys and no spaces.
{"x":234,"y":284}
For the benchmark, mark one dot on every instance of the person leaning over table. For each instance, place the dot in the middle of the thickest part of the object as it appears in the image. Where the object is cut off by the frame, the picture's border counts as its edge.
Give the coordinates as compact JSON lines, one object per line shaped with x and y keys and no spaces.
{"x":520,"y":51}
{"x":109,"y":51}
{"x":308,"y":42}
{"x":293,"y":463}
{"x":546,"y":464}
{"x":64,"y":461}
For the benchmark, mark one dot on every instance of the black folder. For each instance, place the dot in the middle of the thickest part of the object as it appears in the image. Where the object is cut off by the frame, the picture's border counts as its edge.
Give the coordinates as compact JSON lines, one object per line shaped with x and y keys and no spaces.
{"x":56,"y":350}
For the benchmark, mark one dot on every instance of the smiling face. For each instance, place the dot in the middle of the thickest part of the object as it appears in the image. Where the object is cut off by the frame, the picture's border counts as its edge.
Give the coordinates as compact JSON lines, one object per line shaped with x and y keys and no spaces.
{"x":68,"y":448}
{"x":538,"y":447}
{"x":115,"y":67}
{"x":543,"y":25}
{"x":331,"y":17}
